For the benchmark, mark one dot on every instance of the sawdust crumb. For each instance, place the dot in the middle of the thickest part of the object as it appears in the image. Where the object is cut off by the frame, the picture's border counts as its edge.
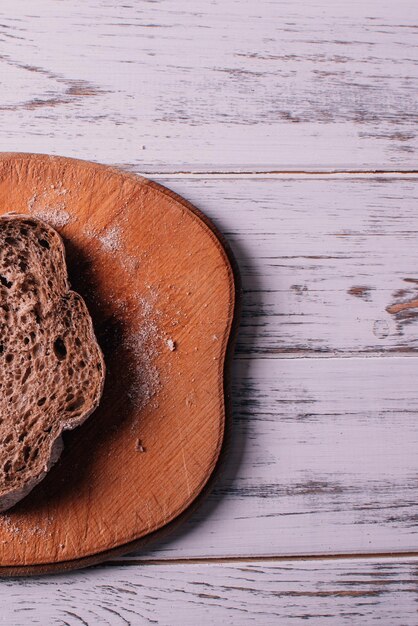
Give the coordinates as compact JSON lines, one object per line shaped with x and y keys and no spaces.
{"x":31,"y":202}
{"x":139,"y":446}
{"x":171,"y":345}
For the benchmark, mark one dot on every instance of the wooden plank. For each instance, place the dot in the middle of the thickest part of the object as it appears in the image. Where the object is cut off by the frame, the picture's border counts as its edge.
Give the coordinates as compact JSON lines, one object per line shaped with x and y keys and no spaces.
{"x":322,"y":461}
{"x":329,"y":264}
{"x":212,"y":86}
{"x":343,"y":592}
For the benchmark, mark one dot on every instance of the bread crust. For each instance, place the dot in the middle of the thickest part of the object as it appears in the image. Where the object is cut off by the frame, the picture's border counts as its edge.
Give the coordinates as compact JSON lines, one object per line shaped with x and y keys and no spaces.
{"x":52,"y":370}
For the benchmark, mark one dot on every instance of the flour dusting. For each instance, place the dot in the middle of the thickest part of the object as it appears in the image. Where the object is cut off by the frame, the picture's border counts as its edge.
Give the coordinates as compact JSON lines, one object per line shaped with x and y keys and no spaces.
{"x":110,"y":240}
{"x":142,"y":344}
{"x":49,"y":205}
{"x":142,"y":338}
{"x":36,"y":531}
{"x":55,"y":217}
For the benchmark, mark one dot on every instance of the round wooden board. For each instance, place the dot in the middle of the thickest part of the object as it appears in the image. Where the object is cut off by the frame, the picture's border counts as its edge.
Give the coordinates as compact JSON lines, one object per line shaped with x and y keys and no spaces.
{"x":160,"y":287}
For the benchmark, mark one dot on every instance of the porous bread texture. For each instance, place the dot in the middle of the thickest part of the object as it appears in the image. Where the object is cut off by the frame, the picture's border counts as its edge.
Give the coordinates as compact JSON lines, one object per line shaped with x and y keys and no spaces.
{"x":51,"y":367}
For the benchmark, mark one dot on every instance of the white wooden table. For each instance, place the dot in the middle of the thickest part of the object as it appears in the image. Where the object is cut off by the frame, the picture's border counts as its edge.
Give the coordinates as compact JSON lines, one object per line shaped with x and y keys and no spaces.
{"x":293,"y":125}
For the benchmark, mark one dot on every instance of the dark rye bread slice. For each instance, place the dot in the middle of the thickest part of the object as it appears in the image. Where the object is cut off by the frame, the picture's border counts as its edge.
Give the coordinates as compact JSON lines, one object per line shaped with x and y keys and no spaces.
{"x":51,"y":367}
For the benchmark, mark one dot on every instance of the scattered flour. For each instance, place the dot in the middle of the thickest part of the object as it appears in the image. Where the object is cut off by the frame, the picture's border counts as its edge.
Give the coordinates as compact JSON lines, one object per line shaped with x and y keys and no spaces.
{"x":130,"y":263}
{"x":110,"y":240}
{"x":55,"y":217}
{"x":50,"y":206}
{"x":36,"y":531}
{"x":142,"y":345}
{"x":90,"y":232}
{"x":143,"y":338}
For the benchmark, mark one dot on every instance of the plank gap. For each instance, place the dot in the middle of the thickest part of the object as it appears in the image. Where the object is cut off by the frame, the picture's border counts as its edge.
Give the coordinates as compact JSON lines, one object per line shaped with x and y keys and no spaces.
{"x":260,"y":558}
{"x":248,"y":356}
{"x":260,"y":174}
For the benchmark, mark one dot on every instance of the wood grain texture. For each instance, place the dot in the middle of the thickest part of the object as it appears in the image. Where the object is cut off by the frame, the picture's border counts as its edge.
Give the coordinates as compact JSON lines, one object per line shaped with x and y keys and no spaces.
{"x":329,"y":264}
{"x":160,"y":288}
{"x":324,"y":451}
{"x":297,"y":469}
{"x":212,"y":86}
{"x":323,"y":461}
{"x":347,"y":592}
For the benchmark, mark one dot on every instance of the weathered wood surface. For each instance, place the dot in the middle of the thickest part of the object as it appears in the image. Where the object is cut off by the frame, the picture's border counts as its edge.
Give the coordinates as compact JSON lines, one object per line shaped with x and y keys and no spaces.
{"x":266,"y":593}
{"x":322,"y":461}
{"x":237,"y":85}
{"x":329,"y":264}
{"x":324,"y":450}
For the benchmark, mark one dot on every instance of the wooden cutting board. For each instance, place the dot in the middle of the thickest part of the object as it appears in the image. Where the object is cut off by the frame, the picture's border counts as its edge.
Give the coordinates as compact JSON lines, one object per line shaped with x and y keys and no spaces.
{"x":161,"y":289}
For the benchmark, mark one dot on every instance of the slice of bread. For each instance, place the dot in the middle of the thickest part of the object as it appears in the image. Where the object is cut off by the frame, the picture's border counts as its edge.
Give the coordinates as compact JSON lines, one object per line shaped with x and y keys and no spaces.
{"x":51,"y":367}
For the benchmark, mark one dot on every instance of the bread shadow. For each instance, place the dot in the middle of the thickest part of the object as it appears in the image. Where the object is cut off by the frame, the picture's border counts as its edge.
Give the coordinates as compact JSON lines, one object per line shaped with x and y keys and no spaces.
{"x":83,"y":444}
{"x":223,"y":482}
{"x":115,"y":410}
